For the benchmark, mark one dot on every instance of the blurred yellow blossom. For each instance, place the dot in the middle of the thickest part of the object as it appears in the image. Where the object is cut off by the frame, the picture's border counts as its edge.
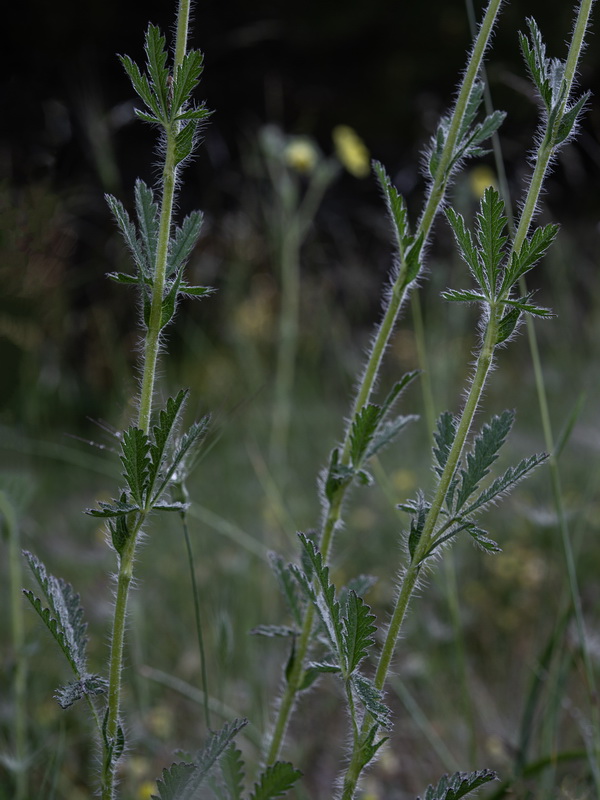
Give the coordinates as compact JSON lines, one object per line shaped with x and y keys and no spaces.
{"x":480,"y":178}
{"x":146,"y":790}
{"x":301,"y":154}
{"x":351,"y":151}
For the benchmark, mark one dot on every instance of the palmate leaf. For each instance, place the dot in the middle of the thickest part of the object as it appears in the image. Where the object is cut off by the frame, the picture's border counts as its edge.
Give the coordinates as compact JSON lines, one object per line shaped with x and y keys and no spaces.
{"x":135,"y":448}
{"x":64,"y":615}
{"x":485,"y":451}
{"x":358,"y":630}
{"x":275,"y":781}
{"x":183,"y":781}
{"x":453,"y":787}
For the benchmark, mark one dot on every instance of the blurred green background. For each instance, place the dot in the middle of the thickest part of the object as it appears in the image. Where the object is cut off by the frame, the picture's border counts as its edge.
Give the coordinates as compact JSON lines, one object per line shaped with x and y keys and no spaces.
{"x":68,"y":354}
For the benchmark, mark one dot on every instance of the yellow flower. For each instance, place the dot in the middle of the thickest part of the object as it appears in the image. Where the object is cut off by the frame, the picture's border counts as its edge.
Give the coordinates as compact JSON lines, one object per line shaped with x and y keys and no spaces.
{"x":480,"y":178}
{"x":301,"y":154}
{"x":146,"y":790}
{"x":351,"y":151}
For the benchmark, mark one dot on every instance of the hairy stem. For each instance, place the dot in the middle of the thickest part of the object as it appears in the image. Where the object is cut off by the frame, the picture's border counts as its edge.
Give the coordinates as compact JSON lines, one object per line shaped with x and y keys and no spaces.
{"x":395,"y":301}
{"x":150,"y":358}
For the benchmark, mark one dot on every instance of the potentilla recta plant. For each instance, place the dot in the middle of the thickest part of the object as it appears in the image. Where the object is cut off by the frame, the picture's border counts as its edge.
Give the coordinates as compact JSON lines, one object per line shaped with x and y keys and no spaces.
{"x":332,"y":630}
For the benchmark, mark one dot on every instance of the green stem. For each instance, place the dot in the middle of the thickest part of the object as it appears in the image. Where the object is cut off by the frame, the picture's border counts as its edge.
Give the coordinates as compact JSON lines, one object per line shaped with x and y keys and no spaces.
{"x":204,"y":678}
{"x":18,"y":644}
{"x":150,"y":358}
{"x":395,"y":302}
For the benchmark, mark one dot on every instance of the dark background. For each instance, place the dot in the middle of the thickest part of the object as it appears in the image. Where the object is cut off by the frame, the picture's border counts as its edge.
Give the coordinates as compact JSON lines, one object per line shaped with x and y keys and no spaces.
{"x":388,"y":69}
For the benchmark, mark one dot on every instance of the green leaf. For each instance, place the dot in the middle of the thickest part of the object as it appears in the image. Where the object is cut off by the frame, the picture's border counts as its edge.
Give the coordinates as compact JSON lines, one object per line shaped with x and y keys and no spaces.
{"x":324,"y":600}
{"x":466,"y":247}
{"x":507,"y":325}
{"x":314,"y":671}
{"x":183,"y":781}
{"x":358,"y":630}
{"x":569,"y":120}
{"x":135,"y":448}
{"x":436,"y":147}
{"x":485,"y":451}
{"x":183,"y":242}
{"x":506,"y":482}
{"x":170,"y":299}
{"x":119,"y":530}
{"x":275,"y":781}
{"x":148,"y":222}
{"x":472,"y":107}
{"x":491,"y":221}
{"x":184,"y":142}
{"x":163,"y":433}
{"x":444,"y":436}
{"x":116,"y":508}
{"x":482,"y":539}
{"x":156,"y":54}
{"x":64,"y":615}
{"x":195,"y":291}
{"x":369,"y":747}
{"x":274,"y":631}
{"x":141,"y":85}
{"x":288,"y":587}
{"x":232,"y":772}
{"x":364,"y":426}
{"x":128,"y":231}
{"x":186,"y":78}
{"x":387,"y":432}
{"x":185,"y":451}
{"x":532,"y":250}
{"x":453,"y":787}
{"x":395,"y":205}
{"x":72,"y":692}
{"x":534,"y":52}
{"x":417,"y":524}
{"x":122,"y":277}
{"x":372,"y":699}
{"x":338,"y":475}
{"x":462,"y":296}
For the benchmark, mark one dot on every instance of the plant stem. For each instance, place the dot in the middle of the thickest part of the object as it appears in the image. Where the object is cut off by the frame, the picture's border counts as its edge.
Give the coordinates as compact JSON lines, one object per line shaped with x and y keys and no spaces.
{"x":150,"y":357}
{"x":395,"y":301}
{"x":17,"y":625}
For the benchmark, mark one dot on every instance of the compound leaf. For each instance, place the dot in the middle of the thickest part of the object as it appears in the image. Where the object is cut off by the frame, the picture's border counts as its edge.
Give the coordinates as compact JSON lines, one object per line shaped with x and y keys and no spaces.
{"x":444,"y":436}
{"x":148,"y":223}
{"x":372,"y":699}
{"x":506,"y":482}
{"x":135,"y":447}
{"x":232,"y":771}
{"x":288,"y":587}
{"x":183,"y":241}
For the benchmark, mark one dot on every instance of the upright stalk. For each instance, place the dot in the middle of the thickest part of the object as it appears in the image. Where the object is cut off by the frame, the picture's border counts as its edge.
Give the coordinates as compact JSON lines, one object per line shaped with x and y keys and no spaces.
{"x":396,"y":298}
{"x":112,"y":734}
{"x":545,"y":153}
{"x":18,"y":644}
